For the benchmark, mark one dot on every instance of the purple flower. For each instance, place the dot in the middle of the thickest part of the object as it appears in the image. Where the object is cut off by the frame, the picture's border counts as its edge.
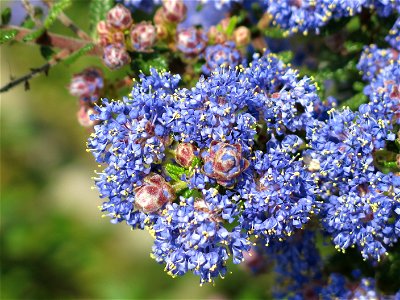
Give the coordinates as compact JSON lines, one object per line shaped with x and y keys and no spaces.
{"x":223,"y":162}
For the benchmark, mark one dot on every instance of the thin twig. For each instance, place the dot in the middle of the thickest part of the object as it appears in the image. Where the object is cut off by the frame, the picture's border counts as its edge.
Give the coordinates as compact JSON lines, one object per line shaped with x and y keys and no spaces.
{"x":63,"y":54}
{"x":31,"y":12}
{"x":64,"y":19}
{"x":55,"y":40}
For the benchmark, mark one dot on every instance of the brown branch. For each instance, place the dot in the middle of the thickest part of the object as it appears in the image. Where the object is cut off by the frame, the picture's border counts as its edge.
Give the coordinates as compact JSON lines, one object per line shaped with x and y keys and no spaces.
{"x":64,"y":19}
{"x":55,"y":40}
{"x":31,"y":12}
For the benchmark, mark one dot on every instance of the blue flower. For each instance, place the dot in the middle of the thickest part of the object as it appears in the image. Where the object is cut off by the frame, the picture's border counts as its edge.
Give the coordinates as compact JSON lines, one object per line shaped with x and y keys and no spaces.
{"x":393,"y":38}
{"x":189,"y":237}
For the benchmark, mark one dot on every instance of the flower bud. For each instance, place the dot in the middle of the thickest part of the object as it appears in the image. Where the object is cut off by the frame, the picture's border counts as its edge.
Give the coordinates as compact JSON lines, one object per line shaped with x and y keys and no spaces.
{"x":241,"y":36}
{"x":119,"y":17}
{"x":103,"y":28}
{"x":84,"y":116}
{"x":162,"y":31}
{"x":185,"y":154}
{"x":174,"y":11}
{"x":224,"y":162}
{"x":143,"y":36}
{"x":218,"y":55}
{"x":216,"y":36}
{"x":115,"y":56}
{"x":191,"y":41}
{"x":153,"y":194}
{"x":87,"y":84}
{"x":159,"y":17}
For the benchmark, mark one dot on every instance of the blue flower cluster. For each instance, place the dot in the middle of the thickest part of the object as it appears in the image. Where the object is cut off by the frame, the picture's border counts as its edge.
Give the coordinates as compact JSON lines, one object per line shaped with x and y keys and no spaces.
{"x":306,"y":15}
{"x":246,"y":157}
{"x":339,"y":287}
{"x":221,"y":177}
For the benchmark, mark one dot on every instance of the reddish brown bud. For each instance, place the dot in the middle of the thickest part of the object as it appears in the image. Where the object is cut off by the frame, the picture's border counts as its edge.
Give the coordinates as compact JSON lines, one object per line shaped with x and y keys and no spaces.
{"x":184,"y":154}
{"x":153,"y":194}
{"x":119,"y":17}
{"x":174,"y":11}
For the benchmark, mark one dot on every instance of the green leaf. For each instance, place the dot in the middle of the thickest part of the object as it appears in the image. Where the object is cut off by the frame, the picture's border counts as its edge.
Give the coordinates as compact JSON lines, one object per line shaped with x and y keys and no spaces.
{"x":7,"y":35}
{"x":158,"y":63}
{"x":231,"y":26}
{"x":353,"y":46}
{"x":187,"y":193}
{"x":54,"y":11}
{"x":354,"y":102}
{"x":354,"y":24}
{"x":46,"y":52}
{"x":97,"y":11}
{"x":358,"y":86}
{"x":74,"y":56}
{"x":274,"y":32}
{"x":196,"y":161}
{"x":33,"y":35}
{"x":385,"y":161}
{"x":285,"y":56}
{"x":6,"y":16}
{"x":28,"y":23}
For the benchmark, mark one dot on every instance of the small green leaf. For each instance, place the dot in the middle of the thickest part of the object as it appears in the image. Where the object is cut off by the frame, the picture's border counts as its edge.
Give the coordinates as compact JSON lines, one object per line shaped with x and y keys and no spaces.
{"x":74,"y":56}
{"x":158,"y":63}
{"x":97,"y":11}
{"x":46,"y":52}
{"x":187,"y":193}
{"x":354,"y":24}
{"x":28,"y":23}
{"x":7,"y":35}
{"x":33,"y":35}
{"x":354,"y":102}
{"x":285,"y":56}
{"x":231,"y":26}
{"x":353,"y":46}
{"x":358,"y":86}
{"x":6,"y":16}
{"x":385,"y":161}
{"x":54,"y":11}
{"x":274,"y":32}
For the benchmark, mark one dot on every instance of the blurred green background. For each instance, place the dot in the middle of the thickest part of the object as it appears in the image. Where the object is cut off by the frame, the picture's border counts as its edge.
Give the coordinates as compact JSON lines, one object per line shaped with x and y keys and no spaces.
{"x":54,"y":243}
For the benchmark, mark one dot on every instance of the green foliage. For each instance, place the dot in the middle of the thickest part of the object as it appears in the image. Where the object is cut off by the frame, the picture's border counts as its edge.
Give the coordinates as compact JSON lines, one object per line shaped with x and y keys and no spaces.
{"x":385,"y":161}
{"x":46,"y":52}
{"x":7,"y":35}
{"x":97,"y":12}
{"x":174,"y":171}
{"x":354,"y":102}
{"x":285,"y":56}
{"x":231,"y":26}
{"x":274,"y":32}
{"x":146,"y":61}
{"x":5,"y":16}
{"x":54,"y":11}
{"x":34,"y":35}
{"x":74,"y":56}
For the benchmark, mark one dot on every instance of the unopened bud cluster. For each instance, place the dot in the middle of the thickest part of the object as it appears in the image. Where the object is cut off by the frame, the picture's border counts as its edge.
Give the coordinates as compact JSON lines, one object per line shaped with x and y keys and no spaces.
{"x":87,"y":86}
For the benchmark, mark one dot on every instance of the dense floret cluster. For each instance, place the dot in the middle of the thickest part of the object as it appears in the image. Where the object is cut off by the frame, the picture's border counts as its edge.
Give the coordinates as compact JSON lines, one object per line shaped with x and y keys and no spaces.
{"x":224,"y":120}
{"x":247,"y":160}
{"x":187,"y":164}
